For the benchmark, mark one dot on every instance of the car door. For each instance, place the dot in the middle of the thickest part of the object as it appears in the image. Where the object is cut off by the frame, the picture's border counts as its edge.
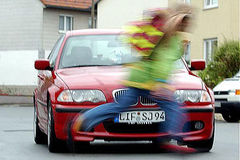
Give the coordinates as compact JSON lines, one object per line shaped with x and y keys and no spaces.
{"x":45,"y":80}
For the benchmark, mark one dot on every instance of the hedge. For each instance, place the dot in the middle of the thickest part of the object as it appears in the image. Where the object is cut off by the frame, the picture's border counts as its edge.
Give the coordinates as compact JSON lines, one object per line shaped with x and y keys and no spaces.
{"x":225,"y":64}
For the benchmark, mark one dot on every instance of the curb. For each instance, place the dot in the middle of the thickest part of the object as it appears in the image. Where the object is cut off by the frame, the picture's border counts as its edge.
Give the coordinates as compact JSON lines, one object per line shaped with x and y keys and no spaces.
{"x":218,"y":117}
{"x":17,"y":90}
{"x":17,"y":105}
{"x":16,"y":100}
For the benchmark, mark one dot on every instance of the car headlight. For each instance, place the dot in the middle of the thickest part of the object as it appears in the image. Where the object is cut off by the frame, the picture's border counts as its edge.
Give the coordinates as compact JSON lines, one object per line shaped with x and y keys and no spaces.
{"x":192,"y":96}
{"x":65,"y":96}
{"x":79,"y":96}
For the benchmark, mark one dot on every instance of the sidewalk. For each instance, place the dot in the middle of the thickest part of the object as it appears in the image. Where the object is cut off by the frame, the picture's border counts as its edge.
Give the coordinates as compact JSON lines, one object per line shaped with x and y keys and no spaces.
{"x":18,"y":100}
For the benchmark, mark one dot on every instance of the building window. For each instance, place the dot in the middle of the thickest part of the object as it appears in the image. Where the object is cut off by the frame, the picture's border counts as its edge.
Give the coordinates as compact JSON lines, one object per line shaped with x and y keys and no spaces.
{"x":65,"y":23}
{"x":184,"y":1}
{"x":210,"y":4}
{"x":187,"y":52}
{"x":90,"y":22}
{"x":209,"y":46}
{"x":187,"y":1}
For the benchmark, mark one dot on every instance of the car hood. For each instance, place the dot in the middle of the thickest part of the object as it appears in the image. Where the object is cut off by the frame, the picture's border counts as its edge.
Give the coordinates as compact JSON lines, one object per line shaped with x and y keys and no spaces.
{"x":92,"y":77}
{"x":183,"y":80}
{"x":228,"y":84}
{"x":110,"y":78}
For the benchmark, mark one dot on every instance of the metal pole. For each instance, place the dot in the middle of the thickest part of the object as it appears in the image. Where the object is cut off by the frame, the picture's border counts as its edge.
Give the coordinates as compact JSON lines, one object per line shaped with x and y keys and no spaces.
{"x":92,"y":15}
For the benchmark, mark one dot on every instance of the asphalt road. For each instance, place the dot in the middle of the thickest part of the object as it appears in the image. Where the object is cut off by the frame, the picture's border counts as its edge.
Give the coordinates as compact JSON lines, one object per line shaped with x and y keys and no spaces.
{"x":16,"y":143}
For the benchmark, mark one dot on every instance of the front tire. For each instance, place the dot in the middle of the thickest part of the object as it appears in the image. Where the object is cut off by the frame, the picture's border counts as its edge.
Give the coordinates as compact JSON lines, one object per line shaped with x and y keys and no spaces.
{"x":39,"y":136}
{"x":54,"y":144}
{"x":230,"y":117}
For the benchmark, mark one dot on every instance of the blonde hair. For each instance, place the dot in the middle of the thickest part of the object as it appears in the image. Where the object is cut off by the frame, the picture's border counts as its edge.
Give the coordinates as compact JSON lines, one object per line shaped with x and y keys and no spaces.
{"x":175,"y":17}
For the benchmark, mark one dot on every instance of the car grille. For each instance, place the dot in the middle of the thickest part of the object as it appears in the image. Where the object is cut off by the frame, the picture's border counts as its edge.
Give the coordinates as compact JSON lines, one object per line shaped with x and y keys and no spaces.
{"x":147,"y":101}
{"x":220,"y":92}
{"x":118,"y":93}
{"x":143,"y":100}
{"x":112,"y":127}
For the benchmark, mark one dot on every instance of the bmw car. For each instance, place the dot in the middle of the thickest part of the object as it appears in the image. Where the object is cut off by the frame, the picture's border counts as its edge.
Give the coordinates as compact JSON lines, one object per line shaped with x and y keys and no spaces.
{"x":85,"y":69}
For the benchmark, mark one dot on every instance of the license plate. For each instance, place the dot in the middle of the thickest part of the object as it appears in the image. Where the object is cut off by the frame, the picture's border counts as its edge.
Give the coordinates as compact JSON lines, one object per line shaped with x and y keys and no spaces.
{"x":217,"y":104}
{"x":140,"y":117}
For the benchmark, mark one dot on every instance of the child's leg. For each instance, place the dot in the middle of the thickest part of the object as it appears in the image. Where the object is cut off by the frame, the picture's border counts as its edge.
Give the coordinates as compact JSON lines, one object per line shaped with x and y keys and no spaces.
{"x":98,"y":114}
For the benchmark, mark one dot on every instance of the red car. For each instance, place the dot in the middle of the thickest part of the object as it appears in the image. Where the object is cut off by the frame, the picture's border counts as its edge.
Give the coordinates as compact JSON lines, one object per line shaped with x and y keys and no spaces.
{"x":84,"y":70}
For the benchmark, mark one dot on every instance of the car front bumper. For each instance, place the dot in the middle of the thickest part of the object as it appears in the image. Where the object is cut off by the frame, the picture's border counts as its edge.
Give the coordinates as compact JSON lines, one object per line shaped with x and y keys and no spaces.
{"x":64,"y":114}
{"x":227,"y":102}
{"x":228,"y":106}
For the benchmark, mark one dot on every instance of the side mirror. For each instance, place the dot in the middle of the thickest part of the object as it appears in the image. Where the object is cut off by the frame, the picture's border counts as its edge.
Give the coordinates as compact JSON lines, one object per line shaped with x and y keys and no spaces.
{"x":42,"y":65}
{"x":197,"y":64}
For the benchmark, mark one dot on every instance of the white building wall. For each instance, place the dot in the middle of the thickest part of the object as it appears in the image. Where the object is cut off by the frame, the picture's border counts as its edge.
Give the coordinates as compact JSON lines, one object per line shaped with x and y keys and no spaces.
{"x":21,"y":33}
{"x":51,"y":24}
{"x":17,"y":67}
{"x":116,"y":13}
{"x":26,"y":28}
{"x":21,"y":24}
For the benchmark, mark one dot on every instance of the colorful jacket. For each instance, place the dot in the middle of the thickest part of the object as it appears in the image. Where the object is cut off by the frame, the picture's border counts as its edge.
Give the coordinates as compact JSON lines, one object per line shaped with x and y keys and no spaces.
{"x":157,"y":67}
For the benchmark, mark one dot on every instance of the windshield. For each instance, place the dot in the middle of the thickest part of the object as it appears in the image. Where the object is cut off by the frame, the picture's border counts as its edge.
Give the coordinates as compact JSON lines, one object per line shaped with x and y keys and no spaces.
{"x":96,"y":50}
{"x":99,"y":50}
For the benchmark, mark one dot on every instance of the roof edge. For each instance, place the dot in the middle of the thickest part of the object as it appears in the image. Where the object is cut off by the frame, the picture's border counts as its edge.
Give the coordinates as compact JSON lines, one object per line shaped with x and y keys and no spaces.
{"x":95,"y":4}
{"x":68,"y":8}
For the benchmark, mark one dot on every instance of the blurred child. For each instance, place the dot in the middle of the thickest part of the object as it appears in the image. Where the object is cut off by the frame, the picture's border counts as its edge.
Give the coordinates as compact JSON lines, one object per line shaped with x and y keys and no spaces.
{"x":157,"y":40}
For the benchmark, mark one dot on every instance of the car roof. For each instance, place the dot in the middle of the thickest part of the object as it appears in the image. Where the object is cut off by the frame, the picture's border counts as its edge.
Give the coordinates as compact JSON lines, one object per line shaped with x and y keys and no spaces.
{"x":92,"y":32}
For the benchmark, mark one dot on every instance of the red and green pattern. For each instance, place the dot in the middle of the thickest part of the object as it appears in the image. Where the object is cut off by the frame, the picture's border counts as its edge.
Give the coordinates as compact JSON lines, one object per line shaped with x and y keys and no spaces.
{"x":144,"y":35}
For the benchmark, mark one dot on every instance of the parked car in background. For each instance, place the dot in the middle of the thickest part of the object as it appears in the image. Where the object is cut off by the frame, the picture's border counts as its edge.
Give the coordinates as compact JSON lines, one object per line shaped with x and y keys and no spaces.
{"x":227,"y":98}
{"x":84,"y":70}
